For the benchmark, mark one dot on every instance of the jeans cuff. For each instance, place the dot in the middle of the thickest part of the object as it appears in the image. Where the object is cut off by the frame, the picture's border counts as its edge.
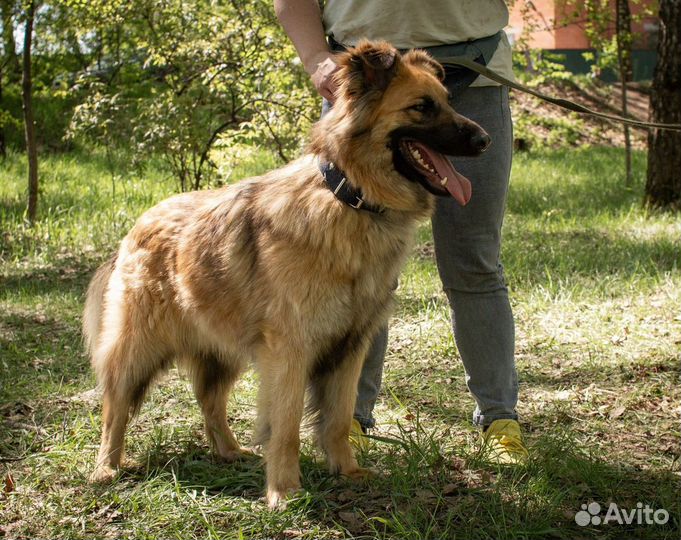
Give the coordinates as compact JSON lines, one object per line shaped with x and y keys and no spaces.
{"x":367,"y":422}
{"x":484,"y":420}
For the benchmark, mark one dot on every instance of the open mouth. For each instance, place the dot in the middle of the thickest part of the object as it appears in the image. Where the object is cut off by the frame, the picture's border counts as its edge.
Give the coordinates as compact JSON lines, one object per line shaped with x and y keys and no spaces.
{"x":435,"y":172}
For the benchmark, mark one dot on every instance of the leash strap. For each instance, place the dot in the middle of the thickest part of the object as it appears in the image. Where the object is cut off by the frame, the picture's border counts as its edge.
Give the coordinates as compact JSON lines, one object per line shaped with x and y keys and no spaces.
{"x":466,"y":62}
{"x":480,"y":51}
{"x":337,"y":182}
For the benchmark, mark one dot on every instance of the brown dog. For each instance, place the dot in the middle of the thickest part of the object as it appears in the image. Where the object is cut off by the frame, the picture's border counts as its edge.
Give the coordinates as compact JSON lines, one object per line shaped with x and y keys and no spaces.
{"x":278,"y":272}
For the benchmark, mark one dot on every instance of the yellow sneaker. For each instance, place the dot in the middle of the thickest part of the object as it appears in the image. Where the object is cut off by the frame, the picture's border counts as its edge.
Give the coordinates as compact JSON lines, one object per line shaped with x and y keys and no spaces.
{"x":357,"y":437}
{"x":503,"y":443}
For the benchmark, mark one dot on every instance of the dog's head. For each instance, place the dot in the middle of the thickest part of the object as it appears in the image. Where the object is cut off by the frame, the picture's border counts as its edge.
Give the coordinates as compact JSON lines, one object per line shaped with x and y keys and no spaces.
{"x":393,"y":115}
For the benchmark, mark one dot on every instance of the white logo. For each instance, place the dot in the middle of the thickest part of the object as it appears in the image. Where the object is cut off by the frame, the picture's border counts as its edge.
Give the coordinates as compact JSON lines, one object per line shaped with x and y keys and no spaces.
{"x":641,"y":515}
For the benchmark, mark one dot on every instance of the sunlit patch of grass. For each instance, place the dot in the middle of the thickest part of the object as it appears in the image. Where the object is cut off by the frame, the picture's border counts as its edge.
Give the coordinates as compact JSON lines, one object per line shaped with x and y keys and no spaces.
{"x":594,"y":282}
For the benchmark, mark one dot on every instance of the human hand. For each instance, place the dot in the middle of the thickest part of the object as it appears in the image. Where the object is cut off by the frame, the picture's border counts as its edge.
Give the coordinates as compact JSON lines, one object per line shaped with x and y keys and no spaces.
{"x":322,"y":70}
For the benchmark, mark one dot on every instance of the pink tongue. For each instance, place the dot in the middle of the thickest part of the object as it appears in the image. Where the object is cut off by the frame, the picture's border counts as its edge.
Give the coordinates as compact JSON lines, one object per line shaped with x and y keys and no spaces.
{"x":457,"y":184}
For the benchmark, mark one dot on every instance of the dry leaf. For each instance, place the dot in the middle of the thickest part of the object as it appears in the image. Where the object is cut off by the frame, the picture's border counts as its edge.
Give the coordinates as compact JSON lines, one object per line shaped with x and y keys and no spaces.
{"x":425,"y":494}
{"x":458,"y":464}
{"x":616,"y":413}
{"x":9,"y":484}
{"x":351,"y":520}
{"x":450,"y":489}
{"x":346,"y":495}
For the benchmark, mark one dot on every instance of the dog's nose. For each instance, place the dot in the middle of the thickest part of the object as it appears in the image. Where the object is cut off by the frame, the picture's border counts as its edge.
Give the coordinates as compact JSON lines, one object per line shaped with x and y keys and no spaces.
{"x":480,"y":141}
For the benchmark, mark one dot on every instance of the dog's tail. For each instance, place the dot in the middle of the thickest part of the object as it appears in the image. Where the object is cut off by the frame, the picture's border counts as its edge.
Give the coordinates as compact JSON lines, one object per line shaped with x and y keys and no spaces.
{"x":94,"y":304}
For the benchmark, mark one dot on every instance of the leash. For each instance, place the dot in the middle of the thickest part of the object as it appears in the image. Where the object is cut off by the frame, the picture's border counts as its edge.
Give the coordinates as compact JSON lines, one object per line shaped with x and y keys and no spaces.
{"x":467,"y":63}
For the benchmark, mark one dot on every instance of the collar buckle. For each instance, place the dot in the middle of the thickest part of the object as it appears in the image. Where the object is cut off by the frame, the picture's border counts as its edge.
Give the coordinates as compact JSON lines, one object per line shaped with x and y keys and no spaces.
{"x":336,"y":181}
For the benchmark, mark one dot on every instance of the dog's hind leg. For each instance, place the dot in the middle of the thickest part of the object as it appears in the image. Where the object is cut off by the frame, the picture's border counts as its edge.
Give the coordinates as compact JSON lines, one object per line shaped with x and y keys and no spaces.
{"x":125,"y":374}
{"x":332,"y":400}
{"x":213,"y":379}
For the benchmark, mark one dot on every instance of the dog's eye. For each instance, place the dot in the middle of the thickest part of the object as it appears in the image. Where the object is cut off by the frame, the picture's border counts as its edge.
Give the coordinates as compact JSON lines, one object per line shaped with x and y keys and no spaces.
{"x":424,"y":106}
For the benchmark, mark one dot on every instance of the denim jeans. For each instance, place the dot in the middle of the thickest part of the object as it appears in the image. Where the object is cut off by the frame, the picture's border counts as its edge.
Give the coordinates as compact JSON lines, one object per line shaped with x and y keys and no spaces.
{"x":467,"y":243}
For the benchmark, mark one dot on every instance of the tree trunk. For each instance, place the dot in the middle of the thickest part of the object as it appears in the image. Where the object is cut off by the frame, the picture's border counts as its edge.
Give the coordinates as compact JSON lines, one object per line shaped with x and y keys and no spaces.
{"x":27,"y":98}
{"x":3,"y":144}
{"x":12,"y":61}
{"x":663,"y":186}
{"x":10,"y":64}
{"x":623,"y":29}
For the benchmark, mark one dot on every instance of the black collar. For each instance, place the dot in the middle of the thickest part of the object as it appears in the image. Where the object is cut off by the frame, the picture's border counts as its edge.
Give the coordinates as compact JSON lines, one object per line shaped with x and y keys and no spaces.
{"x":336,"y":181}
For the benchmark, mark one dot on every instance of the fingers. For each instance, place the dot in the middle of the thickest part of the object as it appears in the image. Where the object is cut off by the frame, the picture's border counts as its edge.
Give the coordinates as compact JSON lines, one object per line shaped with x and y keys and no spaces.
{"x":323,"y":77}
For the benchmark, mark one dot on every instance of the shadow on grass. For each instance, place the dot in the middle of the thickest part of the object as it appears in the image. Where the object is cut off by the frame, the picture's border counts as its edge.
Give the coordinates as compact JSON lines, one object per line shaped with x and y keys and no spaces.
{"x":588,"y":182}
{"x":69,"y":275}
{"x":588,"y":252}
{"x":607,"y":377}
{"x":41,"y":343}
{"x":420,"y":492}
{"x":195,"y":467}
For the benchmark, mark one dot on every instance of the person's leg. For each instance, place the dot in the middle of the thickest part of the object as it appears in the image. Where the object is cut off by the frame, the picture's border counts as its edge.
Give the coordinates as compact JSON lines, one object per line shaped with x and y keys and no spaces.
{"x":370,"y":381}
{"x":467,"y":244}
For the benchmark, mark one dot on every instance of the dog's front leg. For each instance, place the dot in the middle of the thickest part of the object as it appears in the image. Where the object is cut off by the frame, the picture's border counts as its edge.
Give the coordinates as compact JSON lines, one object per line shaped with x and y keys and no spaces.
{"x":282,"y":393}
{"x":333,"y":398}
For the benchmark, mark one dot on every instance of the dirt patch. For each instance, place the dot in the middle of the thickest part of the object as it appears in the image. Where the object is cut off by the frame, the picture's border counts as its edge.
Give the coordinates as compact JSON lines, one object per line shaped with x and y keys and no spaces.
{"x":539,"y":122}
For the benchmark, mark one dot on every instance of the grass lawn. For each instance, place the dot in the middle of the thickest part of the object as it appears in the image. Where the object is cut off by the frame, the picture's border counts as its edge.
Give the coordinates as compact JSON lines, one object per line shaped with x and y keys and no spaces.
{"x":595,"y":284}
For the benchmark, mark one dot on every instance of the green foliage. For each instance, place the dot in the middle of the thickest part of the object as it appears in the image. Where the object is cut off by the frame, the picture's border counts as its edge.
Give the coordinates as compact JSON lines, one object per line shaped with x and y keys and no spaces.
{"x":594,"y":282}
{"x":598,"y":19}
{"x":172,"y":78}
{"x":535,"y":66}
{"x":557,"y":131}
{"x":193,"y":74}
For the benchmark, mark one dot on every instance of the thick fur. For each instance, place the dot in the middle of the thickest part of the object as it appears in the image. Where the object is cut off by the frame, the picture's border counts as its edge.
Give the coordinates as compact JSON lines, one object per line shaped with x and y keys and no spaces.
{"x":274,"y":272}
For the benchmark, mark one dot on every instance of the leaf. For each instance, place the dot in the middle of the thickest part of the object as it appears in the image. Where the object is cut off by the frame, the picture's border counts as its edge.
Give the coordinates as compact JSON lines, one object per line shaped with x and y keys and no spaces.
{"x":351,"y":520}
{"x":425,"y":495}
{"x":9,"y":486}
{"x":346,"y":495}
{"x":450,"y":489}
{"x":616,"y":413}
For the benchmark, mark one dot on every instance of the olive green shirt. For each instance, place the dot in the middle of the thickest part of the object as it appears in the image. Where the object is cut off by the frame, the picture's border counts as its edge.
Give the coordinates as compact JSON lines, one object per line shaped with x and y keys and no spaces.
{"x":409,"y":24}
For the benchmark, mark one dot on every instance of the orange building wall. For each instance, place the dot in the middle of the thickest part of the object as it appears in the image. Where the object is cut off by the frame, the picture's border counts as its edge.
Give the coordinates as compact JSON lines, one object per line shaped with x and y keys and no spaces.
{"x":548,"y":27}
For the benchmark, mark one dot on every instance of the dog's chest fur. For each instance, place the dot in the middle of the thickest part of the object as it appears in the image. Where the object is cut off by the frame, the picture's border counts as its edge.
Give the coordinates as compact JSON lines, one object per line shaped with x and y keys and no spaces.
{"x":275,"y":254}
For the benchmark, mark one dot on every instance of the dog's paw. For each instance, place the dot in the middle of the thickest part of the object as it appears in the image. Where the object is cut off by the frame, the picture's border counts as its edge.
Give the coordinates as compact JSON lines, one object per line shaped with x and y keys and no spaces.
{"x":359,"y":474}
{"x":278,"y":499}
{"x":103,"y":474}
{"x":230,"y":456}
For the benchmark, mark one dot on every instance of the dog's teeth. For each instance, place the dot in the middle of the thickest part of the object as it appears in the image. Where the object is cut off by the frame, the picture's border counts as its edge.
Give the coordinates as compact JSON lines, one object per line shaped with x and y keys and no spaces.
{"x":443,"y":181}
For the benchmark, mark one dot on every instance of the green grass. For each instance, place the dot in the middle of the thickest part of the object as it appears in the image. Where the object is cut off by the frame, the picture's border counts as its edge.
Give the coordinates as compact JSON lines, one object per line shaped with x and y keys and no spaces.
{"x":595,"y":284}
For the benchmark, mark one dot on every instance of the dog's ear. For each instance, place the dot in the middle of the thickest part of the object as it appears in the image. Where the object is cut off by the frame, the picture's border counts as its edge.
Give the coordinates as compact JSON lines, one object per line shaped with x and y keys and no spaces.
{"x":423,"y":59}
{"x":368,"y":67}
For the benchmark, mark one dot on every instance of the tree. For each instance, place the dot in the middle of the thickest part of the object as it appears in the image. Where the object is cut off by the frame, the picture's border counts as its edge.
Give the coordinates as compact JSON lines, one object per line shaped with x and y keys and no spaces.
{"x":29,"y":123}
{"x":7,"y":8}
{"x":623,"y":36}
{"x":663,"y":185}
{"x":9,"y":64}
{"x":183,"y":77}
{"x":612,"y":51}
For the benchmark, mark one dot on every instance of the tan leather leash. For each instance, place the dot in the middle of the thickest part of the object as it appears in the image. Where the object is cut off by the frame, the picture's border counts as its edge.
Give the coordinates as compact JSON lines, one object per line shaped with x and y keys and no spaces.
{"x":466,"y":62}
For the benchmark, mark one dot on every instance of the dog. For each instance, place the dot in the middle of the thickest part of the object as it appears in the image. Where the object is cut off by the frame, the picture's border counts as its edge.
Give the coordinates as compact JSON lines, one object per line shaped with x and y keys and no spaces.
{"x":278,"y":272}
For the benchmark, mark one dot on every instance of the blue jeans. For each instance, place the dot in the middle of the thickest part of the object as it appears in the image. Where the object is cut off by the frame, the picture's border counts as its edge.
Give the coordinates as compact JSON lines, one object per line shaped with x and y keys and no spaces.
{"x":467,"y":244}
